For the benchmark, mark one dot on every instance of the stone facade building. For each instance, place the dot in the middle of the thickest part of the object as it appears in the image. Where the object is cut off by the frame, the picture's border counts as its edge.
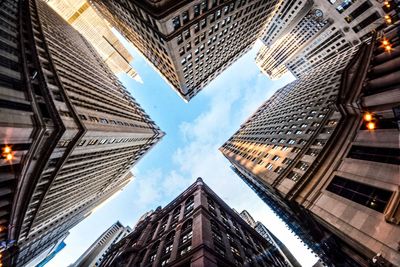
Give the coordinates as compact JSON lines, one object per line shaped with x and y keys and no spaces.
{"x":302,"y":34}
{"x":196,"y":229}
{"x":94,"y":255}
{"x":189,"y":42}
{"x":325,"y":156}
{"x":97,"y":31}
{"x":70,"y":132}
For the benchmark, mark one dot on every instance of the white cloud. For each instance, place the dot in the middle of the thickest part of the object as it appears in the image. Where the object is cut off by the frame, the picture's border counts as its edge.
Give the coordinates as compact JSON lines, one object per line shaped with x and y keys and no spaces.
{"x":232,"y":98}
{"x":147,"y":187}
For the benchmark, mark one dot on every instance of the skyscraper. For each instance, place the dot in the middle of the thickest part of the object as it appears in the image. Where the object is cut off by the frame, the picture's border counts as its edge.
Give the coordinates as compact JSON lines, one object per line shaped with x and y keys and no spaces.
{"x":324,"y":153}
{"x":246,"y":216}
{"x":70,"y":132}
{"x":264,"y":232}
{"x":94,"y":255}
{"x":97,"y":31}
{"x":302,"y":34}
{"x":196,"y":229}
{"x":189,"y":43}
{"x":48,"y":254}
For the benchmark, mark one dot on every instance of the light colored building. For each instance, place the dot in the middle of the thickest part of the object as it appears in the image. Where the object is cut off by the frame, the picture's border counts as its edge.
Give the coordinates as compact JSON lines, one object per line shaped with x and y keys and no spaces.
{"x":192,"y":43}
{"x":70,"y":132}
{"x":246,"y":216}
{"x":309,"y":153}
{"x":290,"y":260}
{"x":48,"y":254}
{"x":302,"y":34}
{"x":97,"y":31}
{"x":94,"y":255}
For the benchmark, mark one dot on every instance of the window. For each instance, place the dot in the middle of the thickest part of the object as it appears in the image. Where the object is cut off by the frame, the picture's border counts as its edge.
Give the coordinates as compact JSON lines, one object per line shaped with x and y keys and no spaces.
{"x":366,"y":195}
{"x":276,"y":158}
{"x":185,"y":250}
{"x":279,"y":170}
{"x":235,"y":250}
{"x":187,"y":237}
{"x":82,"y":142}
{"x":189,"y":204}
{"x":294,"y":176}
{"x":269,"y":166}
{"x":103,"y":141}
{"x":377,"y":154}
{"x":176,"y":22}
{"x":302,"y":166}
{"x":196,"y":10}
{"x":92,"y":142}
{"x":168,"y":248}
{"x":185,"y":17}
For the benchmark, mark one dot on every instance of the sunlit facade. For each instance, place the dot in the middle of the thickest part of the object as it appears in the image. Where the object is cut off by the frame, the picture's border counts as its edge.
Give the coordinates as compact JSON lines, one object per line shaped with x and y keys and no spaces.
{"x":97,"y":31}
{"x":311,"y":153}
{"x":302,"y":34}
{"x":70,"y":132}
{"x":189,"y":44}
{"x":94,"y":255}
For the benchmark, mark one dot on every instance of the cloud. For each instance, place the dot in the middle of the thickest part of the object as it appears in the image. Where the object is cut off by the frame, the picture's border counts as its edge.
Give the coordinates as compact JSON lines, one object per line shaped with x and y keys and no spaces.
{"x":231,"y":98}
{"x":147,"y":189}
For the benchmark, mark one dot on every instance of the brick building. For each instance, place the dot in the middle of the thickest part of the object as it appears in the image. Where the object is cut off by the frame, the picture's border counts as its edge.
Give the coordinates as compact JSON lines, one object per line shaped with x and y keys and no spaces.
{"x":196,"y":229}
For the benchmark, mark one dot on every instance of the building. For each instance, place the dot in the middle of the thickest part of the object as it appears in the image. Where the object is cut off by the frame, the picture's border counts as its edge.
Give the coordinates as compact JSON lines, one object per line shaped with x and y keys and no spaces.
{"x":246,"y":216}
{"x":302,"y":34}
{"x":323,"y":152}
{"x":264,"y":232}
{"x":47,"y":255}
{"x":94,"y":255}
{"x":69,"y":133}
{"x":97,"y":31}
{"x":189,"y":43}
{"x":196,"y":229}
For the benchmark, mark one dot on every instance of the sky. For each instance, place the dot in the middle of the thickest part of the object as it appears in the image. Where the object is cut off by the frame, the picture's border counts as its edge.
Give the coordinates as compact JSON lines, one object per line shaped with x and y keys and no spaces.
{"x":194,"y":132}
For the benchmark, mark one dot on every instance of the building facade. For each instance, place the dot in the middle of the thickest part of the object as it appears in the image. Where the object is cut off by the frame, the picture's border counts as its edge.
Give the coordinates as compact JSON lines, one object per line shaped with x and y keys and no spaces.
{"x":97,"y":31}
{"x":246,"y":216}
{"x":323,"y":152}
{"x":196,"y":229}
{"x":70,"y":131}
{"x":94,"y":255}
{"x":45,"y":256}
{"x":264,"y":232}
{"x":302,"y":34}
{"x":189,"y":43}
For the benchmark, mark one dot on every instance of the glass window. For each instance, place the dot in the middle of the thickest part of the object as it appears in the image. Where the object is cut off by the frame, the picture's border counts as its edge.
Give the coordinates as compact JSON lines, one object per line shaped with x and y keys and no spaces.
{"x":366,"y":195}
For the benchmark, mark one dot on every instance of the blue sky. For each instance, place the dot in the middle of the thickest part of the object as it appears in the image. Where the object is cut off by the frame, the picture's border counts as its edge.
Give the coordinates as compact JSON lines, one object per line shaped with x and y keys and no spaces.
{"x":194,"y":132}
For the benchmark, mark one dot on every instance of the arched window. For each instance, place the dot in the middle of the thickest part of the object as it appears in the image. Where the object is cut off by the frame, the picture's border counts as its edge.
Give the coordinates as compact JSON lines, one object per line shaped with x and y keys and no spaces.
{"x":163,"y":225}
{"x":170,"y":237}
{"x":187,"y":225}
{"x":153,"y":251}
{"x":176,"y":213}
{"x":141,"y":257}
{"x":189,"y":205}
{"x":169,"y":243}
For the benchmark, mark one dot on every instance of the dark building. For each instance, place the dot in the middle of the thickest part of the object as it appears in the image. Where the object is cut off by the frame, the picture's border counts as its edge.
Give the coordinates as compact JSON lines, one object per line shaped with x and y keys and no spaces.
{"x":189,"y":42}
{"x":69,"y":131}
{"x":196,"y":229}
{"x":338,"y":184}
